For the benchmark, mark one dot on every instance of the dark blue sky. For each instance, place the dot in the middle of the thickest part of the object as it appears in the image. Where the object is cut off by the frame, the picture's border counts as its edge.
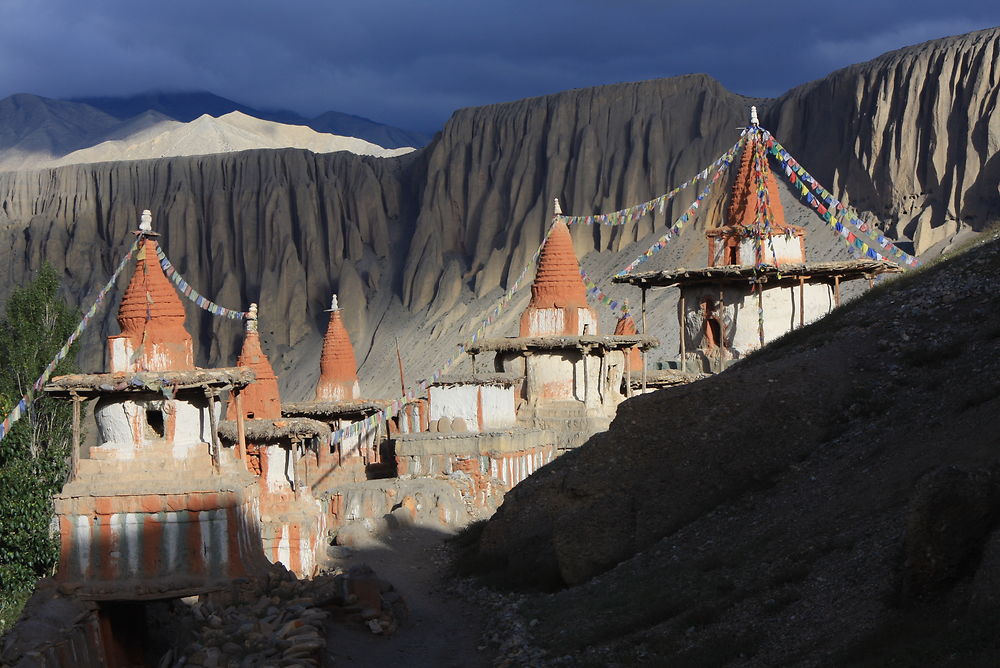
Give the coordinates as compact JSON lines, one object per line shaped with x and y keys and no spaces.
{"x":411,"y":63}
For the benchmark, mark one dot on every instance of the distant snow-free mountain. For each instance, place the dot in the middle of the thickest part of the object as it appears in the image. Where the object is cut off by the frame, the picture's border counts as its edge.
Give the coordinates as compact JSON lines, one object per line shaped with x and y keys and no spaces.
{"x":187,"y":106}
{"x":205,"y":135}
{"x":37,"y":132}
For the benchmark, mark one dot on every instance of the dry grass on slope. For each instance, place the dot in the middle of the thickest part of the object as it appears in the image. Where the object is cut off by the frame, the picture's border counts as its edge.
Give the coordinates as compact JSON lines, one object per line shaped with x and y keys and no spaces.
{"x":833,"y":499}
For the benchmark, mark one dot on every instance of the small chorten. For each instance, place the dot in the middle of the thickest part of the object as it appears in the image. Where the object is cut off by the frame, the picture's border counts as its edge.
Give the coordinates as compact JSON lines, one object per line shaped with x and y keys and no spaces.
{"x":558,"y":305}
{"x":338,"y":371}
{"x":260,"y":400}
{"x":626,"y":327}
{"x":151,"y":316}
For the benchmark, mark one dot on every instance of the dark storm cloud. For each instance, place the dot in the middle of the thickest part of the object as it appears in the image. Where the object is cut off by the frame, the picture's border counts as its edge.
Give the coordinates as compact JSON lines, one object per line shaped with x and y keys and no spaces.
{"x":412,"y":63}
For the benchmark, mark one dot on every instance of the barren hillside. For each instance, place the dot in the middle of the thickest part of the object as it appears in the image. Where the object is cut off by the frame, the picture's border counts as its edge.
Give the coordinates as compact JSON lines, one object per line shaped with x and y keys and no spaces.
{"x":831,"y":500}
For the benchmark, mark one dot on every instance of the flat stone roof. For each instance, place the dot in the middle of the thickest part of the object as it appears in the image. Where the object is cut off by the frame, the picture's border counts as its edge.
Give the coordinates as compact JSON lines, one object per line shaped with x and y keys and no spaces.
{"x":97,"y":384}
{"x":847,"y":270}
{"x":526,"y":343}
{"x":333,"y":409}
{"x":271,"y":431}
{"x":506,"y":379}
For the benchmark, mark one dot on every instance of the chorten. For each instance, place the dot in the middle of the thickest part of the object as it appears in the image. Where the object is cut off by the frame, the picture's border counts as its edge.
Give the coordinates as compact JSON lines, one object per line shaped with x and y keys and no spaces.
{"x":338,"y":371}
{"x":151,"y":318}
{"x":158,"y":508}
{"x":260,"y":400}
{"x":558,"y":305}
{"x":755,"y":230}
{"x":626,"y":327}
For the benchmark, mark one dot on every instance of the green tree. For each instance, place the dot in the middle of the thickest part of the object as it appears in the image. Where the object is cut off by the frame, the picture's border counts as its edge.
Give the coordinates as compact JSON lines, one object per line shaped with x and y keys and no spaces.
{"x":34,"y":455}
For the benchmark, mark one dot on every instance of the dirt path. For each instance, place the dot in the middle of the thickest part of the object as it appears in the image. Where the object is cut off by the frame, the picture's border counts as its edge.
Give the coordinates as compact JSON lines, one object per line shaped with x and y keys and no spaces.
{"x":441,"y":629}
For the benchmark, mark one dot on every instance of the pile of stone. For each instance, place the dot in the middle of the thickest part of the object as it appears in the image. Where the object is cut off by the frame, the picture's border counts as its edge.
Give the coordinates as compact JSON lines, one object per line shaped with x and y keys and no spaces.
{"x":278,"y":620}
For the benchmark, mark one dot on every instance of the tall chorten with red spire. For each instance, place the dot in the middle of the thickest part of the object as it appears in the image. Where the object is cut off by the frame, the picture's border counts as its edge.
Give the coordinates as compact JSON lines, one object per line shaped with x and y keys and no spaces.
{"x":338,"y":370}
{"x":745,"y":239}
{"x":558,"y":305}
{"x":151,"y":318}
{"x":260,"y":400}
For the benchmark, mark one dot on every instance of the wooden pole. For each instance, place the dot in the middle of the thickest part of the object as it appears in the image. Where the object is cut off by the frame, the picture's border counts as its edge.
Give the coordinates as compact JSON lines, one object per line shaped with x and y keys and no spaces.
{"x":295,"y":473}
{"x":836,"y":284}
{"x":241,"y":432}
{"x":683,"y":333}
{"x":722,"y":328}
{"x":213,"y":447}
{"x":402,"y":380}
{"x":586,"y":377}
{"x":644,"y":334}
{"x":802,"y":301}
{"x":760,"y":313}
{"x":74,"y":456}
{"x":871,"y":281}
{"x":628,"y":375}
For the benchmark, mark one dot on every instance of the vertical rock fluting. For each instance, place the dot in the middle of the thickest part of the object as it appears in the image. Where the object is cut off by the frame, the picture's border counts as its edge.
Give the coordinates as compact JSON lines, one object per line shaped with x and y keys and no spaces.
{"x":282,"y":228}
{"x":493,"y":172}
{"x":911,"y":136}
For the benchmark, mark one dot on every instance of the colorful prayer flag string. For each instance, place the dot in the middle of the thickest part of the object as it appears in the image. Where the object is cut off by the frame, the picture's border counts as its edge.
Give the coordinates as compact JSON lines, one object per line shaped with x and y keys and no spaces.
{"x":185,"y":289}
{"x":595,"y":290}
{"x":826,"y":204}
{"x":398,"y":405}
{"x":634,"y":213}
{"x":691,"y":211}
{"x":22,"y":406}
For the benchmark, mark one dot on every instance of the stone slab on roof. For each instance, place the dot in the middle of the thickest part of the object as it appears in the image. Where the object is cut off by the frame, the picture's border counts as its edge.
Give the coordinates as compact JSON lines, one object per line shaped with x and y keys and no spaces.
{"x":506,"y":379}
{"x":526,"y":343}
{"x":94,"y":384}
{"x":271,"y":431}
{"x":332,"y":409}
{"x":847,"y":269}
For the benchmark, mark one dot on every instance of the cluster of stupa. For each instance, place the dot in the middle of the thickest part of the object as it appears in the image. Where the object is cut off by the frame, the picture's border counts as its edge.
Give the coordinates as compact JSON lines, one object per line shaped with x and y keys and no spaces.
{"x":175,"y":500}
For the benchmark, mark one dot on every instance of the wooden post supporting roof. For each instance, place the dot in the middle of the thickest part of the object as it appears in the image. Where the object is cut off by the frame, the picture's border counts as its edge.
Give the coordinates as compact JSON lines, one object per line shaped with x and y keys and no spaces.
{"x":74,"y":465}
{"x":213,"y":446}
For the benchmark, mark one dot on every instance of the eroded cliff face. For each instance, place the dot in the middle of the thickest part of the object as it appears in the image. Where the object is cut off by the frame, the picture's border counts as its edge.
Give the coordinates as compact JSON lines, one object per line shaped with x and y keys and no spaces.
{"x":912,"y":136}
{"x":494,"y":171}
{"x":420,"y":247}
{"x":282,"y":228}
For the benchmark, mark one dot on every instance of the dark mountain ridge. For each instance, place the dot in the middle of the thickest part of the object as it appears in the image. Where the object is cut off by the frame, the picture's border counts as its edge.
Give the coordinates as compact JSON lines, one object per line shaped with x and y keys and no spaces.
{"x":186,"y":106}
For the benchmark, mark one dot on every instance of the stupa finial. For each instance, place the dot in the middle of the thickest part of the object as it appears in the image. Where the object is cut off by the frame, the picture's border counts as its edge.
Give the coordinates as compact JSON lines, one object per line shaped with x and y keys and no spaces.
{"x":252,"y":318}
{"x":334,"y":306}
{"x":146,"y":221}
{"x":556,"y":209}
{"x":753,"y":116}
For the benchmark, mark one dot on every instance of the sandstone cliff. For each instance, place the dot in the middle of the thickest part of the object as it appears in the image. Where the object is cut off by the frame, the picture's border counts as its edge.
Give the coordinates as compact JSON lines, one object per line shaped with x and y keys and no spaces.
{"x":420,"y":246}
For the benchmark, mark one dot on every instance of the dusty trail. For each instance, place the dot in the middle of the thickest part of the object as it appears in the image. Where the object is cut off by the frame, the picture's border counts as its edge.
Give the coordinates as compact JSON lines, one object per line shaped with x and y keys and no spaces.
{"x":441,"y":629}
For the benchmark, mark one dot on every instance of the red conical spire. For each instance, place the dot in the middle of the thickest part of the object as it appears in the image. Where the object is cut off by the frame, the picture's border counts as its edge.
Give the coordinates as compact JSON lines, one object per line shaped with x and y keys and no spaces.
{"x":557,"y":281}
{"x":151,"y":315}
{"x":338,"y":371}
{"x":558,"y":285}
{"x":742,"y":210}
{"x":260,"y":399}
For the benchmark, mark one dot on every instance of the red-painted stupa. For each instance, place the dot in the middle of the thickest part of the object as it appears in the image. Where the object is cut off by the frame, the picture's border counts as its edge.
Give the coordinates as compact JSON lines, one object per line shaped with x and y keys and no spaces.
{"x":151,"y":318}
{"x":260,"y":400}
{"x":626,"y":327}
{"x":338,"y":370}
{"x":755,"y":230}
{"x":558,"y":305}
